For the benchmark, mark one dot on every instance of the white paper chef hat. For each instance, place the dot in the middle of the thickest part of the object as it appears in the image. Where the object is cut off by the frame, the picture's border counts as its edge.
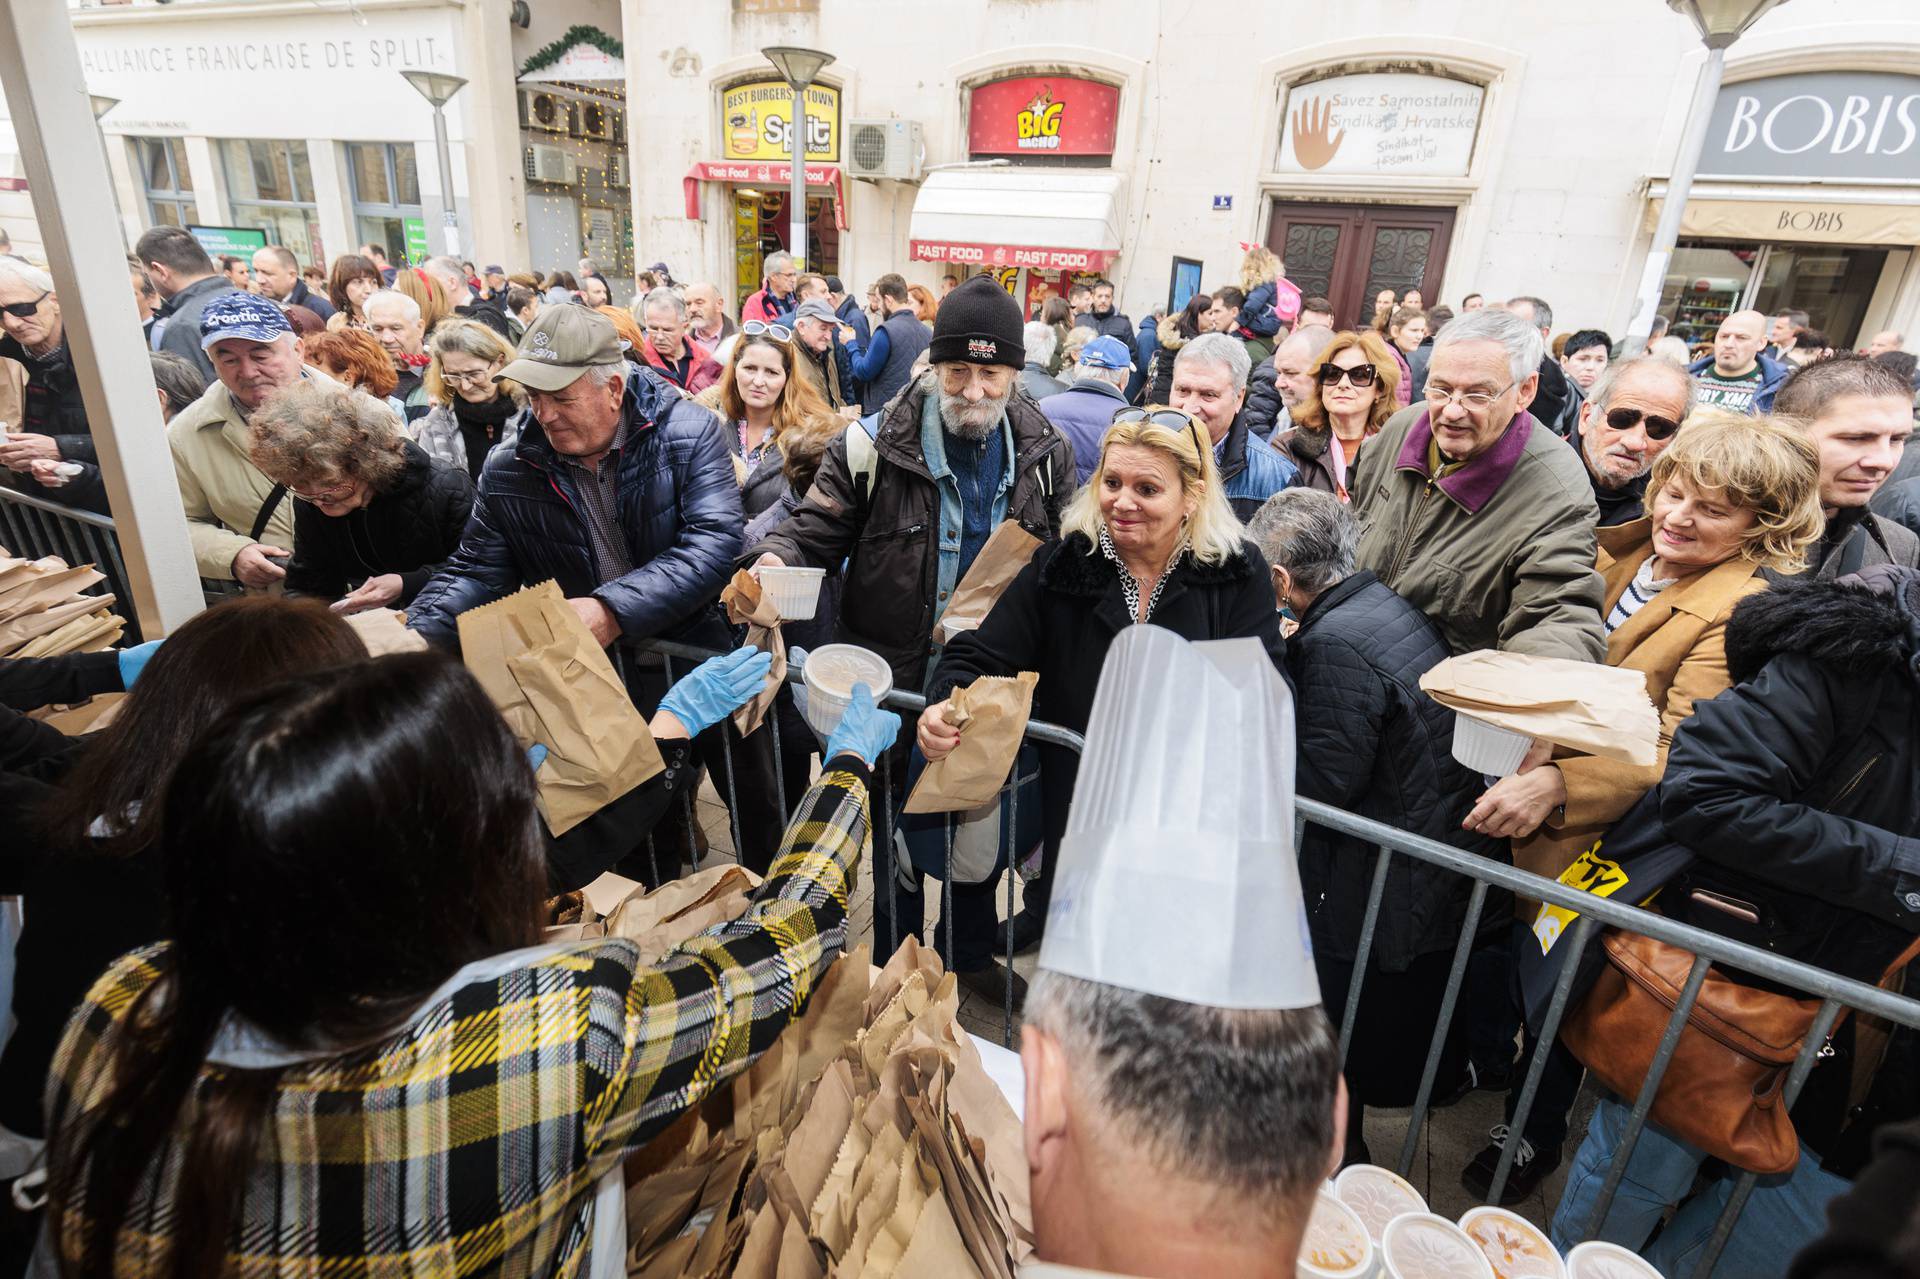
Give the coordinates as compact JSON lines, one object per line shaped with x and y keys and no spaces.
{"x":1177,"y":875}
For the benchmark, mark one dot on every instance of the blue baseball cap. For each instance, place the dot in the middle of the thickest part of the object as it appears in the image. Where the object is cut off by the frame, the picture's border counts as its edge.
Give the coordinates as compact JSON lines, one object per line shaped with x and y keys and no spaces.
{"x":1106,"y":353}
{"x":246,"y":316}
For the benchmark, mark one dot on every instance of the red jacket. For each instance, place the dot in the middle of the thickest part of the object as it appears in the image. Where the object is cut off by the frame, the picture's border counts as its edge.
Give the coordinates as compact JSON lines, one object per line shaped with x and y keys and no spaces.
{"x":702,"y":372}
{"x":768,"y":309}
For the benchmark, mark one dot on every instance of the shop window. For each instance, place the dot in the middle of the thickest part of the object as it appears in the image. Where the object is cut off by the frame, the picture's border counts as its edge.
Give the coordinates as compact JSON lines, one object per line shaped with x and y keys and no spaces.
{"x":270,"y":187}
{"x":761,"y":228}
{"x":1832,"y":284}
{"x":386,"y":199}
{"x":163,"y":171}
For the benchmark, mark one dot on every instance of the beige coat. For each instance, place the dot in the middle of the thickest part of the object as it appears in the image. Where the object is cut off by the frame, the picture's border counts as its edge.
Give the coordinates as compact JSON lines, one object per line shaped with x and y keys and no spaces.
{"x":220,"y":487}
{"x":1678,"y":640}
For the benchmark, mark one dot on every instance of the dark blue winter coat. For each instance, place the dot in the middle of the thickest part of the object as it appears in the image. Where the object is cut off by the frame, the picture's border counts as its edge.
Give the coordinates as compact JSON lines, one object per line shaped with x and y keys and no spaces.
{"x":679,"y":508}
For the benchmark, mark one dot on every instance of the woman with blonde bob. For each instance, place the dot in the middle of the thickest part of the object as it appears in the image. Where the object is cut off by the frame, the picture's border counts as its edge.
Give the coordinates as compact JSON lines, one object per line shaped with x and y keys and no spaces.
{"x":374,"y":517}
{"x":1149,"y":538}
{"x":1729,"y":497}
{"x":1355,"y":381}
{"x":472,"y":414}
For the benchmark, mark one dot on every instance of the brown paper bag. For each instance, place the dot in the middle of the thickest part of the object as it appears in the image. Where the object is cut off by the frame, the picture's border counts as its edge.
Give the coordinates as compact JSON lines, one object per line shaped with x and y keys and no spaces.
{"x":991,"y":714}
{"x":1007,"y":551}
{"x":42,"y":590}
{"x":554,"y":684}
{"x":1593,"y":709}
{"x":384,"y":631}
{"x":746,"y":606}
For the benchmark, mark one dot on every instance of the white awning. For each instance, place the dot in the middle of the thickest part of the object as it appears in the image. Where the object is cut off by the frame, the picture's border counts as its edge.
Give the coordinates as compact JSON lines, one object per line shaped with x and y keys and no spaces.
{"x":1046,"y":219}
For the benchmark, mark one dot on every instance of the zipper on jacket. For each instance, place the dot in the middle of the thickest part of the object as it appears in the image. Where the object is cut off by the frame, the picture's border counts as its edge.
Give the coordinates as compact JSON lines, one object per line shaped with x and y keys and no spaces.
{"x":1406,"y":541}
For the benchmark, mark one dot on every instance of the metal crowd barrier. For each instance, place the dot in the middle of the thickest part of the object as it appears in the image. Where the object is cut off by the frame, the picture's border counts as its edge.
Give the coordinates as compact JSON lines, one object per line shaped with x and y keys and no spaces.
{"x":1834,"y":992}
{"x":34,"y":527}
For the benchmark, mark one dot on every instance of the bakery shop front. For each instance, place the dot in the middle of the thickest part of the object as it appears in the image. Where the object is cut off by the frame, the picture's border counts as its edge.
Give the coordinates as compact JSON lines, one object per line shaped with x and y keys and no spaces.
{"x":1038,"y":205}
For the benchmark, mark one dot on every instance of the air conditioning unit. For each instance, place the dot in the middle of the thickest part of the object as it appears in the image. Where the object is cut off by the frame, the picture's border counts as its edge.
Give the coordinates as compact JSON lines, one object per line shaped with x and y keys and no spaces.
{"x":548,"y":114}
{"x":885,"y":149}
{"x":617,"y":171}
{"x":549,"y":164}
{"x":596,"y":121}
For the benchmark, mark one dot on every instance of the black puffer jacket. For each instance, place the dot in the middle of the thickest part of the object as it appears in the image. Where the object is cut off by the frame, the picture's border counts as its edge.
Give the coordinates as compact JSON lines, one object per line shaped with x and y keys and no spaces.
{"x":411,"y":529}
{"x":1060,"y":616}
{"x":1264,"y":405}
{"x":1372,"y":743}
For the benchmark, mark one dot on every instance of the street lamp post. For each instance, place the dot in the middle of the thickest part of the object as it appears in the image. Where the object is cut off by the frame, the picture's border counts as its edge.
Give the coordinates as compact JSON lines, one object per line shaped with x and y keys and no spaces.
{"x":438,"y":89}
{"x":798,"y":67}
{"x":1720,"y":23}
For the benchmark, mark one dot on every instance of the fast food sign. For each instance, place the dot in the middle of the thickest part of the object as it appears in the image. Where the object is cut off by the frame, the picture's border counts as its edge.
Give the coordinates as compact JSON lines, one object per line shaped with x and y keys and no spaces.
{"x":1037,"y":118}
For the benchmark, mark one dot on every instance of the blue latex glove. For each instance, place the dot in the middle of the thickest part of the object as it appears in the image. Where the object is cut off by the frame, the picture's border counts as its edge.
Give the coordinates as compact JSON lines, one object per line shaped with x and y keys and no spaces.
{"x":134,"y":660}
{"x":717,"y":688}
{"x":864,"y":730}
{"x":536,"y":755}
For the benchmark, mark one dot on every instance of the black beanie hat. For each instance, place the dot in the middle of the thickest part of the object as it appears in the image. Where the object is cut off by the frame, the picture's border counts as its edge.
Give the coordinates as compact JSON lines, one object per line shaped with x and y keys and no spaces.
{"x":979,"y":323}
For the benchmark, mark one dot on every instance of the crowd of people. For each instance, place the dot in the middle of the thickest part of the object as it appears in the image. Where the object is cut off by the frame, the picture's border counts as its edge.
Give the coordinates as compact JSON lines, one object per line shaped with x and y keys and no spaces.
{"x":1738,"y":526}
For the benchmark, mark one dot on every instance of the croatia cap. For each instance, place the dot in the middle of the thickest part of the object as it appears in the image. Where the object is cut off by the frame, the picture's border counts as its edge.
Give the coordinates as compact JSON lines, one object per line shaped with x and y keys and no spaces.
{"x":246,"y":316}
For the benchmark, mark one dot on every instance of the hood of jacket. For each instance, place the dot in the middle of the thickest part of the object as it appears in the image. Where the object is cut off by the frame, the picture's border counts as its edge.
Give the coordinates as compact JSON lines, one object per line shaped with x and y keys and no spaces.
{"x":1871,"y":619}
{"x":1168,"y":332}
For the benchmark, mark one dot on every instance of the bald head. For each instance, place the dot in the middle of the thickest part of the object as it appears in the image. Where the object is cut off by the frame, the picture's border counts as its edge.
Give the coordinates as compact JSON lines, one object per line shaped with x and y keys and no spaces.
{"x":1293,"y":362}
{"x":1884,"y":341}
{"x":1736,"y":347}
{"x":705,"y":310}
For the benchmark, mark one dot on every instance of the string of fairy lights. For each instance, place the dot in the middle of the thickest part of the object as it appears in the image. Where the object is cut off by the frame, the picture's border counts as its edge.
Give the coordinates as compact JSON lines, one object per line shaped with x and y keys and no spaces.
{"x":593,"y":138}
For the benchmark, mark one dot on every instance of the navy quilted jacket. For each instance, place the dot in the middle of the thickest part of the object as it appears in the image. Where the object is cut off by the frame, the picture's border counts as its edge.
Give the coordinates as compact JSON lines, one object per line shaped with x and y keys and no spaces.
{"x":679,"y":508}
{"x":1372,"y":743}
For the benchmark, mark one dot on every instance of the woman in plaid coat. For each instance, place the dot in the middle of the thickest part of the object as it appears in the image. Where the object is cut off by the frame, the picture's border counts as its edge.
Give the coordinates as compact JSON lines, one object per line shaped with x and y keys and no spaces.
{"x":357,"y":1057}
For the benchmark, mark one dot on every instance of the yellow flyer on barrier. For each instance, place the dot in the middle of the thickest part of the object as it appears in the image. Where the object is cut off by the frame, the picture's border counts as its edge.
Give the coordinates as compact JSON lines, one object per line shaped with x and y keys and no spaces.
{"x":1590,"y":873}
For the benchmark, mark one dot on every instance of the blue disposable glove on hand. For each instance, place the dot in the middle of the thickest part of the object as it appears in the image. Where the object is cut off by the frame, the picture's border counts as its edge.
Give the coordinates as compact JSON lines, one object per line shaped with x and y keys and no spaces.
{"x":717,"y":688}
{"x":864,"y":729}
{"x":536,"y":755}
{"x":134,"y":660}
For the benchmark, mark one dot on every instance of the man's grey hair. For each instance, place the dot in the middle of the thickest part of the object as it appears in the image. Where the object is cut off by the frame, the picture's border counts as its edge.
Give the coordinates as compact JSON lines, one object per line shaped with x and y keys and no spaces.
{"x":1115,"y":378}
{"x":1241,"y":1099}
{"x":1311,"y":534}
{"x":776,"y":262}
{"x":25,"y":273}
{"x":601,"y":374}
{"x":1220,"y":351}
{"x":662,"y":296}
{"x":1602,"y":392}
{"x":391,"y":297}
{"x":1542,"y":313}
{"x":1041,"y":341}
{"x":1314,"y":336}
{"x":1525,"y":347}
{"x":447,"y":268}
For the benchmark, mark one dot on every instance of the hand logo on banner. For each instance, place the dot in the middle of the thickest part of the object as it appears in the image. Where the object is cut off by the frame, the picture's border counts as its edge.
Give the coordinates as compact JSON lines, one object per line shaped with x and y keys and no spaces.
{"x":1315,"y":141}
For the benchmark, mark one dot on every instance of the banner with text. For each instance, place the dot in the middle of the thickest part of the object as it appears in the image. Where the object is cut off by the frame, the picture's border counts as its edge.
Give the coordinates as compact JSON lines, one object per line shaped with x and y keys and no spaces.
{"x":1381,"y":123}
{"x":756,"y":122}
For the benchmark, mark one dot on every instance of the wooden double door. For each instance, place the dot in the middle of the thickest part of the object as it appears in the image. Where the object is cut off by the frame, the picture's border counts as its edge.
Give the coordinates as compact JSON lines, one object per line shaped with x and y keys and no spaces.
{"x":1349,"y":252}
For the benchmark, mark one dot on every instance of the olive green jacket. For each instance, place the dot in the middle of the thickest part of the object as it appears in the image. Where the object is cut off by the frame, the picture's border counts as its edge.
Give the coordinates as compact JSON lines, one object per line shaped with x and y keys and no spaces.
{"x":1500,"y":552}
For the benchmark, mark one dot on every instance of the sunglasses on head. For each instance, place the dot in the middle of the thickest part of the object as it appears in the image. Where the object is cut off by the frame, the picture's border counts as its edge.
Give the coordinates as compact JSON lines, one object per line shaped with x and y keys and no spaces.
{"x":25,"y":310}
{"x":1625,"y":419}
{"x":1175,"y":420}
{"x":760,"y":328}
{"x":1360,"y":375}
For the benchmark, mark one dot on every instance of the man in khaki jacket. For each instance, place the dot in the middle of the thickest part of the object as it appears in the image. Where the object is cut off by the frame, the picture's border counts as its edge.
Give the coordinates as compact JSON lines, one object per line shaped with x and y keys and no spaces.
{"x":240,"y":522}
{"x":1475,"y":513}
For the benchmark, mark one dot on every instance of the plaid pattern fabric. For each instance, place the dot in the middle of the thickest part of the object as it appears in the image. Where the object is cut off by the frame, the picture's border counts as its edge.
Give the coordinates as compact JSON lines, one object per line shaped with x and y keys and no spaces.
{"x":470,"y":1142}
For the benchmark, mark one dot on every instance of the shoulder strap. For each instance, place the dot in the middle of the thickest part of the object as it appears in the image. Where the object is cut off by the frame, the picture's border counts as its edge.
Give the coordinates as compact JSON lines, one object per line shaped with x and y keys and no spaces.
{"x":862,"y":460}
{"x":267,"y":508}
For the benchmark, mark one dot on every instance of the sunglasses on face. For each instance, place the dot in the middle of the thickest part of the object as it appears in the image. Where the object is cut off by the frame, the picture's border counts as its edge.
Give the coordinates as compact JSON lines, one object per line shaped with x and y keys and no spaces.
{"x":1361,"y":375}
{"x":1625,"y":419}
{"x":757,"y":328}
{"x":1174,"y":420}
{"x":25,"y":310}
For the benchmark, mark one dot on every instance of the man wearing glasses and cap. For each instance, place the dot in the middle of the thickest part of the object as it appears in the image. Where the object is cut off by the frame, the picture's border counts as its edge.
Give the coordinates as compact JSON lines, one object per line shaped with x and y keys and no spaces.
{"x":1476,"y":513}
{"x":622,"y":491}
{"x":1183,"y":1097}
{"x":823,"y":360}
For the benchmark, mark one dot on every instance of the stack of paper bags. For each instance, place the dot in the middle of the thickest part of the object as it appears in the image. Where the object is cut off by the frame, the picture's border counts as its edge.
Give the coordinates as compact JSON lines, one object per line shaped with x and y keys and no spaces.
{"x":867,"y":1142}
{"x":615,"y":906}
{"x":43,"y":612}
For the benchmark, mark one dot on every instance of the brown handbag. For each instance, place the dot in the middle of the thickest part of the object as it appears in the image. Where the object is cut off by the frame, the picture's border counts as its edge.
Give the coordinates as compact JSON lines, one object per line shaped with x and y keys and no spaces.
{"x":1722,"y":1091}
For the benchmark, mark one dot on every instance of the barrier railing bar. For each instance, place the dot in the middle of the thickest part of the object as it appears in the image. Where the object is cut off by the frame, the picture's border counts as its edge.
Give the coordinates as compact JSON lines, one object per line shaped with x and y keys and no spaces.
{"x":686,"y":793}
{"x":946,"y":896}
{"x":1810,"y":1051}
{"x":1649,"y":1089}
{"x":74,"y":513}
{"x":1367,"y":927}
{"x":1010,"y":840}
{"x":725,"y":729}
{"x":1537,"y":1065}
{"x":886,"y":842}
{"x":779,"y":774}
{"x":1456,"y":978}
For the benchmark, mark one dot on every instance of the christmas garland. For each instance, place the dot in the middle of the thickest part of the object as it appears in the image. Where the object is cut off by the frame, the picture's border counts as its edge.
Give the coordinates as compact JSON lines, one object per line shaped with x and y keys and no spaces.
{"x":581,"y":34}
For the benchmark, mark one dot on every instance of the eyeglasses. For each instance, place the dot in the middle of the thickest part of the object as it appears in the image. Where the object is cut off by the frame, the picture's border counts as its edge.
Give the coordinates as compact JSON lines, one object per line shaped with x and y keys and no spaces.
{"x":1361,"y":375}
{"x":25,"y":310}
{"x":1625,"y":419}
{"x":757,"y":328}
{"x":1438,"y":397}
{"x":318,"y":496}
{"x":467,"y":379}
{"x":1171,"y":419}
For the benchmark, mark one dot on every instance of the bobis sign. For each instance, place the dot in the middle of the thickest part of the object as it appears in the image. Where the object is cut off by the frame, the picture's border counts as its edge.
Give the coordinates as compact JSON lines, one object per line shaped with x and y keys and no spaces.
{"x":1817,"y":124}
{"x":1040,"y":119}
